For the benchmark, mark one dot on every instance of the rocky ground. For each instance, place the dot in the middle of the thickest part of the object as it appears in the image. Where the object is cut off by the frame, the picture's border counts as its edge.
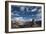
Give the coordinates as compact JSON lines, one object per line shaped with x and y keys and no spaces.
{"x":26,"y":25}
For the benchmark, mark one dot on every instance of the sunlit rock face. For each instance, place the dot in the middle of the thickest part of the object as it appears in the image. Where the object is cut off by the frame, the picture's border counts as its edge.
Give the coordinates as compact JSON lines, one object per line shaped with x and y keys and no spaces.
{"x":21,"y":23}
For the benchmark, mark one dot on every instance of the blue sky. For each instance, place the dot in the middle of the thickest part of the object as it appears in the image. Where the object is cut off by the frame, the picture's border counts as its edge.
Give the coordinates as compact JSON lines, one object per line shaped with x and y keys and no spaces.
{"x":25,"y":12}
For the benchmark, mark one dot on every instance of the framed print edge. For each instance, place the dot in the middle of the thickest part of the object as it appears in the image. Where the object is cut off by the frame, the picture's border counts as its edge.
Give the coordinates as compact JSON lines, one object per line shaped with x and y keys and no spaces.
{"x":7,"y":16}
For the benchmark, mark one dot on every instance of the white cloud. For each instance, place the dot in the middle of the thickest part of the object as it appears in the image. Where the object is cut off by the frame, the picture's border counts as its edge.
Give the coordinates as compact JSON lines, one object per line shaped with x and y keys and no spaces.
{"x":22,"y":8}
{"x":39,"y":10}
{"x":20,"y":19}
{"x":38,"y":17}
{"x":30,"y":19}
{"x":12,"y":13}
{"x":32,"y":15}
{"x":34,"y":9}
{"x":27,"y":9}
{"x":16,"y":14}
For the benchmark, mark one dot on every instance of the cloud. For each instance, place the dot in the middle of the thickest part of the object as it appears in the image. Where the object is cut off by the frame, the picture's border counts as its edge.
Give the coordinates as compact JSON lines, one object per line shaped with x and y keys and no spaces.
{"x":38,"y":17}
{"x":32,"y":15}
{"x":12,"y":13}
{"x":20,"y":19}
{"x":17,"y":19}
{"x":39,"y":10}
{"x":16,"y":14}
{"x":30,"y":19}
{"x":27,"y":9}
{"x":33,"y":10}
{"x":22,"y":8}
